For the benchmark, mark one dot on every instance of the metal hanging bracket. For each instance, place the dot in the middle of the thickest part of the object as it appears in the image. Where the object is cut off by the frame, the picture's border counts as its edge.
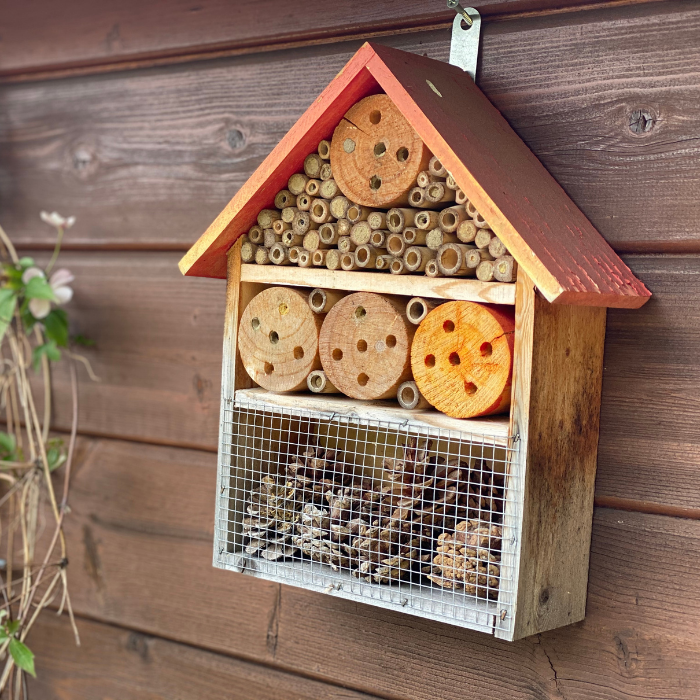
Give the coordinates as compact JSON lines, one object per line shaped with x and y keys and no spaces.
{"x":466,"y":29}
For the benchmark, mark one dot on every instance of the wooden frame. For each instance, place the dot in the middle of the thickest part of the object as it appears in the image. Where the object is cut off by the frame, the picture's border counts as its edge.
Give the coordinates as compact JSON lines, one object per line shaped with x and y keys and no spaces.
{"x":554,"y":418}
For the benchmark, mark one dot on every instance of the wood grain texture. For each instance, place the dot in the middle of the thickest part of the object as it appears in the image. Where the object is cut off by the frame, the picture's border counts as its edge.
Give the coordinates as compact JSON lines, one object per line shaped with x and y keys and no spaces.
{"x":117,"y":663}
{"x":182,"y":140}
{"x":124,"y":32}
{"x":140,"y":545}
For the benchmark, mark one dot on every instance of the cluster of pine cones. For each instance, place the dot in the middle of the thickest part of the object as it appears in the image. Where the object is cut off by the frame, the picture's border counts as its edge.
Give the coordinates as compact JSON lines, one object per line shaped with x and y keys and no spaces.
{"x":385,"y":529}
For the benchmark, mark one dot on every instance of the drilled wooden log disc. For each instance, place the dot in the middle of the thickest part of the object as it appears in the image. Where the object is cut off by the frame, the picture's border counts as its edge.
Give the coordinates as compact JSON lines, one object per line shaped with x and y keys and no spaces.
{"x":365,"y":346}
{"x":377,"y":154}
{"x":278,"y":339}
{"x":462,"y":358}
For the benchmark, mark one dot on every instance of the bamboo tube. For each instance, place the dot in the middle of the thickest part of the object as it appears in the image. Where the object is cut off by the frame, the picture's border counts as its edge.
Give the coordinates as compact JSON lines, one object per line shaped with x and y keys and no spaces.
{"x":475,"y":256}
{"x":480,"y":221}
{"x":383,"y":262}
{"x":284,"y":198}
{"x":347,"y":261}
{"x":289,"y":212}
{"x":329,"y":189}
{"x":312,"y":165}
{"x":304,"y":259}
{"x":450,"y":183}
{"x":318,"y":383}
{"x":460,"y":197}
{"x":312,"y":242}
{"x":410,"y":398}
{"x":279,"y":254}
{"x":326,"y":172}
{"x":255,"y":235}
{"x":360,"y":233}
{"x":377,"y":220}
{"x":425,"y":178}
{"x":483,"y":237}
{"x":451,"y":260}
{"x":436,"y":168}
{"x":395,"y":244}
{"x":432,"y":269}
{"x":297,"y":183}
{"x":328,"y":233}
{"x":466,"y":231}
{"x":505,"y":269}
{"x":416,"y":257}
{"x":414,"y":236}
{"x":262,"y":256}
{"x":416,"y":197}
{"x":321,"y":301}
{"x":496,"y":248}
{"x":320,"y":211}
{"x":418,"y":308}
{"x":279,"y":226}
{"x":304,"y":202}
{"x":437,"y":237}
{"x":471,"y":209}
{"x":339,"y":206}
{"x":449,"y":219}
{"x":438,"y":193}
{"x":344,"y":227}
{"x":345,"y":244}
{"x":248,"y":250}
{"x":303,"y":223}
{"x":270,"y":237}
{"x":294,"y":254}
{"x":484,"y":271}
{"x":324,"y":149}
{"x":357,"y":213}
{"x":333,"y":259}
{"x":427,"y":220}
{"x":312,"y":188}
{"x":397,"y":219}
{"x":398,"y":267}
{"x":292,"y":238}
{"x":318,"y":258}
{"x":266,"y":217}
{"x":365,"y":256}
{"x":378,"y":239}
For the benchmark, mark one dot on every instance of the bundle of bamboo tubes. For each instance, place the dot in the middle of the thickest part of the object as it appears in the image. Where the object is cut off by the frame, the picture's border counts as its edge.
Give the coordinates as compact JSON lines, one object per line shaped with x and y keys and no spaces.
{"x":440,"y":233}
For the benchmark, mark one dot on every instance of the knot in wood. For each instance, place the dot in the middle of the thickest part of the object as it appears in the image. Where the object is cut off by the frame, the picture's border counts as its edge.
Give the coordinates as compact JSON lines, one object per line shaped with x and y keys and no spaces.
{"x":235,"y":139}
{"x":641,"y":121}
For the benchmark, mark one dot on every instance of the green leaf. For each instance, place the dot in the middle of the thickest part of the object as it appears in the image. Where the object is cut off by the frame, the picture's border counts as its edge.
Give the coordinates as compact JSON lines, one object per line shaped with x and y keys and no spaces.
{"x":23,"y":657}
{"x":49,"y":349}
{"x":12,"y":627}
{"x":56,"y":325}
{"x":39,"y":288}
{"x":24,"y":263}
{"x":7,"y":446}
{"x":3,"y":634}
{"x":8,"y":303}
{"x":82,"y":340}
{"x":55,"y":453}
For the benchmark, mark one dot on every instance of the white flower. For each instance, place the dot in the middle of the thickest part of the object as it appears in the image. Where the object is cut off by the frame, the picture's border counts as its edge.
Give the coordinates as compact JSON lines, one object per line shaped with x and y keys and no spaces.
{"x":40,"y":308}
{"x":59,"y":282}
{"x":55,"y":219}
{"x":30,"y":273}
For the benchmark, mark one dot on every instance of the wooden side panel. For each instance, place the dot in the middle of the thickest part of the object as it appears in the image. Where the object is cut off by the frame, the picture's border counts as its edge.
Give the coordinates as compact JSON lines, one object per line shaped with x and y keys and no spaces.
{"x":556,"y":416}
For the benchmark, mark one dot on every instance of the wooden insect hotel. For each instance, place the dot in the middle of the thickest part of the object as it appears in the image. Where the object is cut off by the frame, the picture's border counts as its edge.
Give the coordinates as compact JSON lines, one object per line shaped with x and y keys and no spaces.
{"x":413,"y":351}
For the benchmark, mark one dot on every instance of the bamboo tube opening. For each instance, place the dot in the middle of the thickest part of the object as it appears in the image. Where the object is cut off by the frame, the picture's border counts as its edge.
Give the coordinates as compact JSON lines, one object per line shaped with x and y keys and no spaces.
{"x":412,"y":258}
{"x":416,"y":310}
{"x":395,"y":244}
{"x":410,"y":397}
{"x":324,"y":149}
{"x":417,"y":197}
{"x":449,"y":258}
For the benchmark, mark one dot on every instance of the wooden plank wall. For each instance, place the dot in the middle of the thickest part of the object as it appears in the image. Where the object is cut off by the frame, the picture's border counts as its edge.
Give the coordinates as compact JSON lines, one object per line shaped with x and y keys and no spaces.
{"x":142,"y":119}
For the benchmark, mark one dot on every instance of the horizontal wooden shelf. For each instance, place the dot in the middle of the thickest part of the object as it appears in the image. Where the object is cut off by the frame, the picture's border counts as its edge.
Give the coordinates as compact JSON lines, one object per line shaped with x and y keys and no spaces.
{"x":493,"y":430}
{"x":409,"y":285}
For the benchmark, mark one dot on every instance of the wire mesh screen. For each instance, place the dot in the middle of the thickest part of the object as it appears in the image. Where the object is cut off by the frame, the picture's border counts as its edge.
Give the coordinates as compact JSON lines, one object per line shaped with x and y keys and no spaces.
{"x":384,"y":512}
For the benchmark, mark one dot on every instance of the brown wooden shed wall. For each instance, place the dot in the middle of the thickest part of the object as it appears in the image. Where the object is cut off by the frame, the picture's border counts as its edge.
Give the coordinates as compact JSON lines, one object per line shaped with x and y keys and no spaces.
{"x":142,"y":118}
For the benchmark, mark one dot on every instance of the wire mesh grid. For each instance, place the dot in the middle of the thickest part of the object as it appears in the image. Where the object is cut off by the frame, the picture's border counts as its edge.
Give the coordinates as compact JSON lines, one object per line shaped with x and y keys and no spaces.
{"x":389,"y":513}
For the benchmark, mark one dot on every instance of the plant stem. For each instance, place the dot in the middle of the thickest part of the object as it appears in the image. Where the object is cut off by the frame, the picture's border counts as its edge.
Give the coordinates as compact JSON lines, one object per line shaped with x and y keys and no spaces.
{"x":56,"y":250}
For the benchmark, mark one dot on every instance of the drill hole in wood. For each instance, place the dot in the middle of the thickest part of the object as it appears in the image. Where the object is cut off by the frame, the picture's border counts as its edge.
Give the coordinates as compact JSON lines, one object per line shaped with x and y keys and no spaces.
{"x":298,"y":353}
{"x":402,"y":154}
{"x":362,"y":379}
{"x":337,"y":354}
{"x":269,"y":368}
{"x":470,"y":388}
{"x":380,"y":149}
{"x":454,"y":359}
{"x":375,"y":116}
{"x":274,"y":337}
{"x":448,"y":326}
{"x":362,"y":345}
{"x":486,"y":349}
{"x":430,"y":361}
{"x":255,"y":324}
{"x":375,"y":182}
{"x":391,"y":341}
{"x":360,"y":312}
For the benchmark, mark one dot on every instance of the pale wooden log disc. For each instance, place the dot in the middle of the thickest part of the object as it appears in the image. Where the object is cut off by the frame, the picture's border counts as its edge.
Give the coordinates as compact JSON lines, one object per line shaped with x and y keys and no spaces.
{"x":462,"y":358}
{"x":377,"y":154}
{"x":365,"y":346}
{"x":278,"y":339}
